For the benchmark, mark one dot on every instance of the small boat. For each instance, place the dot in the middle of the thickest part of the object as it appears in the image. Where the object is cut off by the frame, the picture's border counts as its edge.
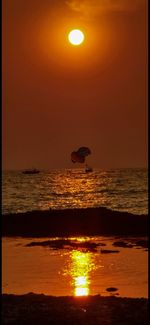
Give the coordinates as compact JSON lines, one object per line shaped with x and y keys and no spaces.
{"x":31,"y":171}
{"x":88,"y":169}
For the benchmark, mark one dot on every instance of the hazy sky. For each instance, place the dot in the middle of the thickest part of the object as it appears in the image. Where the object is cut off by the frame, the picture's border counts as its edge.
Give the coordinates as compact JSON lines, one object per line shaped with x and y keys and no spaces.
{"x":57,"y":97}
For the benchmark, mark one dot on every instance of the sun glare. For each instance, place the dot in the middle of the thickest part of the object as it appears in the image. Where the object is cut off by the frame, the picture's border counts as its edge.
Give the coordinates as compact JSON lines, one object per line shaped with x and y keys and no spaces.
{"x":76,"y":37}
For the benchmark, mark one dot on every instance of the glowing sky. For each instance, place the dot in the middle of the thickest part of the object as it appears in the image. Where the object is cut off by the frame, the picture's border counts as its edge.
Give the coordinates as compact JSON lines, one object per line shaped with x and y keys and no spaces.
{"x":58,"y":97}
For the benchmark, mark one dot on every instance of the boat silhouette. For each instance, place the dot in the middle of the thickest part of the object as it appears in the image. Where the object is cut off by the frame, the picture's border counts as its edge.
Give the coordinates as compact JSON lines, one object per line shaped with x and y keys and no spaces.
{"x":31,"y":171}
{"x":88,"y":169}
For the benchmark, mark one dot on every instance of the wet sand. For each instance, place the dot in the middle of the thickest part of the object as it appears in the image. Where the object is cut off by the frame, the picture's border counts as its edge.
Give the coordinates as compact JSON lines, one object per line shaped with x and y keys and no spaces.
{"x":73,"y":222}
{"x":91,"y":310}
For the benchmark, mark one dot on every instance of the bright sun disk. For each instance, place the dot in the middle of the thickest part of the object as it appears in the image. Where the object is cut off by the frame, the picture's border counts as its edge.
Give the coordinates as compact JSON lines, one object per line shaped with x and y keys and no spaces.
{"x":76,"y":37}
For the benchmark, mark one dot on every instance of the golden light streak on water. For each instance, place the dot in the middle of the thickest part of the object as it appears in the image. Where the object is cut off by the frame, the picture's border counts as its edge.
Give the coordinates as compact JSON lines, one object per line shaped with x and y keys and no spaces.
{"x":81,"y":292}
{"x":80,"y":267}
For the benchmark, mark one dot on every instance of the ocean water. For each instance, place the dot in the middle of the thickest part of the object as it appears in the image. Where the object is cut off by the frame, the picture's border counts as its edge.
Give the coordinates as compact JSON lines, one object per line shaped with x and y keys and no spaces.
{"x":116,"y":189}
{"x":74,"y":271}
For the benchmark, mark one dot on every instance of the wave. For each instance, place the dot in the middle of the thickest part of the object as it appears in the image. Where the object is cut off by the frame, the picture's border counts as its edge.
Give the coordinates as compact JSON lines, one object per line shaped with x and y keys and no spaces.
{"x":74,"y":222}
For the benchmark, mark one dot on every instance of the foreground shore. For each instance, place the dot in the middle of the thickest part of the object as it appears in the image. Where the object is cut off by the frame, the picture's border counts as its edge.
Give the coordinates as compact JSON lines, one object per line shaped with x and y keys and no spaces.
{"x":92,"y":310}
{"x":72,"y":222}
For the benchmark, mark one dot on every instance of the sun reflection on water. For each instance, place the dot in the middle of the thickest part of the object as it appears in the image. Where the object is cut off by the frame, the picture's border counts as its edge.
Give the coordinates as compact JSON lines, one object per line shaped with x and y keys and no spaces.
{"x":72,"y":189}
{"x":81,"y":265}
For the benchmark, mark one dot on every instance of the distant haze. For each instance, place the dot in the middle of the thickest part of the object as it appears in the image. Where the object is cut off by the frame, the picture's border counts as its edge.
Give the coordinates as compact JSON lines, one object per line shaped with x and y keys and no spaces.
{"x":57,"y":98}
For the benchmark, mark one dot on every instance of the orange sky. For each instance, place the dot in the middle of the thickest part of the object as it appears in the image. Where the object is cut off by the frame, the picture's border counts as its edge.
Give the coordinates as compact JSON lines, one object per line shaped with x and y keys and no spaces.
{"x":57,"y":97}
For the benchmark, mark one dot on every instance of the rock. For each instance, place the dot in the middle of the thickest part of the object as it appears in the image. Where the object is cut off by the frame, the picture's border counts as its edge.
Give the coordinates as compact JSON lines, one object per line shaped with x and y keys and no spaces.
{"x":111,"y":289}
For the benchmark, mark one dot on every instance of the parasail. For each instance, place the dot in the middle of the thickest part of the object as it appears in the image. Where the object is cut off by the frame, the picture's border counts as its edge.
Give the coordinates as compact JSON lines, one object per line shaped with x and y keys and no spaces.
{"x":84,"y":151}
{"x":80,"y":154}
{"x":75,"y":157}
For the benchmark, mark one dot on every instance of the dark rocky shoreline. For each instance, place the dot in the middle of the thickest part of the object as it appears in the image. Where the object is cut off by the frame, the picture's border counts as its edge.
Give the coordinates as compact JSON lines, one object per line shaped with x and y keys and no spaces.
{"x":73,"y":222}
{"x":89,"y":245}
{"x":92,"y":310}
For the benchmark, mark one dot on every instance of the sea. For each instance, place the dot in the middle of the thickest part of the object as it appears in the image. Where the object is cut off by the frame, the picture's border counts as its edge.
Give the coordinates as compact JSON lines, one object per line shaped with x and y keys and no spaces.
{"x":71,"y":270}
{"x":116,"y":189}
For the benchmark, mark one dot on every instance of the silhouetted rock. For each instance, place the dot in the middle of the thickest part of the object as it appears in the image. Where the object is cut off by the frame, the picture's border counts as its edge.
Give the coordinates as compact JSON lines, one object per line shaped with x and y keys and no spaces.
{"x":74,"y":222}
{"x":111,"y":289}
{"x":108,"y":251}
{"x":67,"y":244}
{"x":122,"y":244}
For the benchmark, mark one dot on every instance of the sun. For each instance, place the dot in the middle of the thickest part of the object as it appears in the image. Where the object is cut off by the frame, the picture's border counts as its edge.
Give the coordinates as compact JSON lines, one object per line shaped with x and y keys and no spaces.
{"x":76,"y":37}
